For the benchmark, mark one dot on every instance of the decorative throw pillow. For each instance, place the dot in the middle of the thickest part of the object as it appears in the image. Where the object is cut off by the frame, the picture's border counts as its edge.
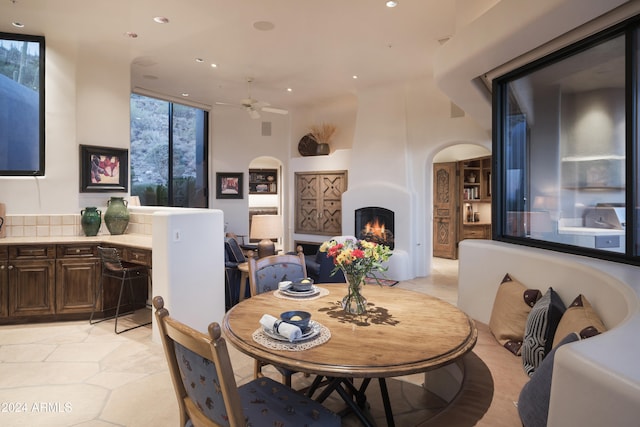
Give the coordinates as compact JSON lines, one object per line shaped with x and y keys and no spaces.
{"x":540,"y":329}
{"x":533,"y":403}
{"x":580,"y":318}
{"x":511,"y":307}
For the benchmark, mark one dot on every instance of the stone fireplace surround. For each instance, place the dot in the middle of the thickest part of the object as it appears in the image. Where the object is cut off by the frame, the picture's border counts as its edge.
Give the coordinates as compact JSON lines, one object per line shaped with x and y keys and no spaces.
{"x":392,"y":197}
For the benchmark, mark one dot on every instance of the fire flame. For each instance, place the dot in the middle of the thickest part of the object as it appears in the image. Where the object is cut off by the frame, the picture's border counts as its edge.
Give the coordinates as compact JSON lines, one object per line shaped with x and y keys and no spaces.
{"x":375,"y":228}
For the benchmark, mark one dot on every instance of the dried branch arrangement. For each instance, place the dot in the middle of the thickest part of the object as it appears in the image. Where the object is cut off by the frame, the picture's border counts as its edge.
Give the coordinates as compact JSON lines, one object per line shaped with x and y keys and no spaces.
{"x":323,"y":133}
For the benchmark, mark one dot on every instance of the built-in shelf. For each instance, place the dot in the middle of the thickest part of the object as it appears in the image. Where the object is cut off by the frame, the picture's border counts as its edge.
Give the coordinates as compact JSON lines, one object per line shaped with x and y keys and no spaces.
{"x":263,"y":181}
{"x":475,"y":194}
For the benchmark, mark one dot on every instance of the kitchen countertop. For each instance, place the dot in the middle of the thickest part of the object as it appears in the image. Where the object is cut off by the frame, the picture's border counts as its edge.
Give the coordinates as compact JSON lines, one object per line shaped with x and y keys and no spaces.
{"x":141,"y":241}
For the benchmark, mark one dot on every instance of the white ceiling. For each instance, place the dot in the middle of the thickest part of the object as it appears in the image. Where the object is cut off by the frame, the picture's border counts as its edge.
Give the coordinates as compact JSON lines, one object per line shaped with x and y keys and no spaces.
{"x":314,"y":48}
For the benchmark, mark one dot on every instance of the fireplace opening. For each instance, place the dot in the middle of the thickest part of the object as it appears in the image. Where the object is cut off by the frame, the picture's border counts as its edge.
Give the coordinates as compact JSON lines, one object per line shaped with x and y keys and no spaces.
{"x":375,"y":224}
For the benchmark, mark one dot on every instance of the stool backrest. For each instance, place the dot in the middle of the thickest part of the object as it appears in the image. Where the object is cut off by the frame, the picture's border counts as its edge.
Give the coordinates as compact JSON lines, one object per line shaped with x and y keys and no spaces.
{"x":110,"y":258}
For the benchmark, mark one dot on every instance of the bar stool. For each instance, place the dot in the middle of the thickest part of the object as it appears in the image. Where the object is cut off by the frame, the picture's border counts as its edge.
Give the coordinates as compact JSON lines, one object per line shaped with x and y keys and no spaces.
{"x":113,"y":266}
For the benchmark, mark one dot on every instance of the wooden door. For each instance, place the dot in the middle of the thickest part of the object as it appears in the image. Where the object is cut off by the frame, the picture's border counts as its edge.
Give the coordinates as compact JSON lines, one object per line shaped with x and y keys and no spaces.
{"x":307,"y":213}
{"x":319,"y":202}
{"x":332,"y":185}
{"x":444,"y":210}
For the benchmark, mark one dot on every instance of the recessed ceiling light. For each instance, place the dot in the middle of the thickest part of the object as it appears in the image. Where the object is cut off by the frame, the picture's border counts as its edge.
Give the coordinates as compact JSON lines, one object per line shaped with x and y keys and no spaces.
{"x":17,"y":24}
{"x":185,"y":94}
{"x":161,"y":20}
{"x":131,"y":34}
{"x":289,"y":89}
{"x":263,"y":25}
{"x":392,"y":3}
{"x":214,"y":65}
{"x":355,"y":77}
{"x":199,"y":60}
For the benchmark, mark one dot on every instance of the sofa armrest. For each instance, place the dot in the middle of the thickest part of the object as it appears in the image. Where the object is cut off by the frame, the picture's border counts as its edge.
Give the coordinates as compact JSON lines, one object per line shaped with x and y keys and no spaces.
{"x":603,"y":372}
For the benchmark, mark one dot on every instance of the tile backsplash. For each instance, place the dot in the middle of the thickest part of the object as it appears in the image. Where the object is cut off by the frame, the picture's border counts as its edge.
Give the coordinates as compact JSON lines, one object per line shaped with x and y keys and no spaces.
{"x":67,"y":225}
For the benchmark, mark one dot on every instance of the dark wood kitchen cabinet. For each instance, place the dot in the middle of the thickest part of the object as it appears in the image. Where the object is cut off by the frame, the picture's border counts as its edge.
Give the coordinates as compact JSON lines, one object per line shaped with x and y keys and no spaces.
{"x":51,"y":282}
{"x":77,"y":277}
{"x":31,"y":280}
{"x":4,"y":280}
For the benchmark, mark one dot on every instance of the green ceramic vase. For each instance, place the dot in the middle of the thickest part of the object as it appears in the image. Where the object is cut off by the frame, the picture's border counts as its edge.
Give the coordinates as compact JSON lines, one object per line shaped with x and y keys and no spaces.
{"x":116,"y":217}
{"x":90,"y":220}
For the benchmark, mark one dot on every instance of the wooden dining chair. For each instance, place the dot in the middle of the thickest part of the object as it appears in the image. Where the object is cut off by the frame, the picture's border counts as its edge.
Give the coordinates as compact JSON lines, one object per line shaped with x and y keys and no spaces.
{"x":264,"y":276}
{"x":265,"y":273}
{"x":206,"y":388}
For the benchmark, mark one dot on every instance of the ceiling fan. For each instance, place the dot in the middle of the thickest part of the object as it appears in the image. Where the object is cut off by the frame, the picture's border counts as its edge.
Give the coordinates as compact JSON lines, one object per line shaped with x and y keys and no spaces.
{"x":253,"y":106}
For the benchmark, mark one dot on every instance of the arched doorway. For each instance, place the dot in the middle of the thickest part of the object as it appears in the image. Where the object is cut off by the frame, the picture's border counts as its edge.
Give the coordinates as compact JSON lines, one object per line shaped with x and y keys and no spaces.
{"x":449,"y":197}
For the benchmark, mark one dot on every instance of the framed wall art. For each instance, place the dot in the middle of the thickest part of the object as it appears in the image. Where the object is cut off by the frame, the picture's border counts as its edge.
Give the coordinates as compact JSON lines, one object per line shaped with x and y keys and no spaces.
{"x":103,"y":169}
{"x":229,"y":185}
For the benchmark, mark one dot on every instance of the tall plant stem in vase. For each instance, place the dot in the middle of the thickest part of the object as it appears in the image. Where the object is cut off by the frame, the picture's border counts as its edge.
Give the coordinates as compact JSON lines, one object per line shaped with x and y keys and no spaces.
{"x":354,"y":302}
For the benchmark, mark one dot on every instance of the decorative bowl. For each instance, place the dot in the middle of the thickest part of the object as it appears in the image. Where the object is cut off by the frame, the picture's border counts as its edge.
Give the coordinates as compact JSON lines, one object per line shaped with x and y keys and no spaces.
{"x":298,"y":318}
{"x":302,"y":285}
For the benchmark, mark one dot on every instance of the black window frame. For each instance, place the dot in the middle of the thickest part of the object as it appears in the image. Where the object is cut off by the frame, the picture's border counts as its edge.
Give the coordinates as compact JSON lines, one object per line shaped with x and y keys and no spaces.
{"x":41,"y":105}
{"x":171,"y":202}
{"x":630,"y":28}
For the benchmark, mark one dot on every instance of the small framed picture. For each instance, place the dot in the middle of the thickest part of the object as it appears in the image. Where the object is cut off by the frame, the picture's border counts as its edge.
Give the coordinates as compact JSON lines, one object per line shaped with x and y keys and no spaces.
{"x":229,"y":185}
{"x":103,"y":169}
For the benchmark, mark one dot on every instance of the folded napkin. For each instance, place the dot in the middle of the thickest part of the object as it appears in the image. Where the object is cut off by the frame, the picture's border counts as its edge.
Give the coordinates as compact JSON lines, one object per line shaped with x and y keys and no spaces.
{"x":283,"y":286}
{"x":287,"y":330}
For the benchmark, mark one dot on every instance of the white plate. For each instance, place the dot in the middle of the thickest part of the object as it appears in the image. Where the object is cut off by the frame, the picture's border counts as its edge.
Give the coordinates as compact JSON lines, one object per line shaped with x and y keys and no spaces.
{"x":311,"y":292}
{"x":312,"y":332}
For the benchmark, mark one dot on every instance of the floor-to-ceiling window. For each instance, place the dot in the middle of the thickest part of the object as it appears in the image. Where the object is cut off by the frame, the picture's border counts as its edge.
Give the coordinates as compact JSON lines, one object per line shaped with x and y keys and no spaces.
{"x":567,"y":148}
{"x":168,"y":153}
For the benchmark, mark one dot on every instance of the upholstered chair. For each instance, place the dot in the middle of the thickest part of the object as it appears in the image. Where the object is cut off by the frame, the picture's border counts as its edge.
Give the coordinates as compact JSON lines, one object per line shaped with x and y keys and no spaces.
{"x":264,"y":276}
{"x":207,"y":392}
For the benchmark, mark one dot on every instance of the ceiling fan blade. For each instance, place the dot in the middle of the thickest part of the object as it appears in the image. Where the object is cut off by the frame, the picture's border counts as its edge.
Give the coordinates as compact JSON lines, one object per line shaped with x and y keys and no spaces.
{"x":227,"y":104}
{"x":275,"y":110}
{"x":253,"y":113}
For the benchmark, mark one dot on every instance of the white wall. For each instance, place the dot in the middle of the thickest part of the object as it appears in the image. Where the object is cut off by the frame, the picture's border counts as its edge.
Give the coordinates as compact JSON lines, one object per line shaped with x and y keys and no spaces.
{"x":236,"y":140}
{"x":86,"y":102}
{"x":188,"y":265}
{"x":340,"y":112}
{"x":399,"y":130}
{"x":505,"y":32}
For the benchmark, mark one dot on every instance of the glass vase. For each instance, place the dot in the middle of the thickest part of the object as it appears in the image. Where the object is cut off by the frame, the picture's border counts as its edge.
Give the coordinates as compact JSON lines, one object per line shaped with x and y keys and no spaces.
{"x":354,"y":302}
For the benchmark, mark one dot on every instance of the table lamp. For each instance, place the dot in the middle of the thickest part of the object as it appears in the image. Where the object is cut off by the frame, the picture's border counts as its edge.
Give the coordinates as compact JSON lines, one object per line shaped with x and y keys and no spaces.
{"x":266,"y":227}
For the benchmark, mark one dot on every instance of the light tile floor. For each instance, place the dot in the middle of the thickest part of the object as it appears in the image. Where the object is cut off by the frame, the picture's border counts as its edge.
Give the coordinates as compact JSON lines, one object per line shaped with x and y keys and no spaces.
{"x":74,"y":374}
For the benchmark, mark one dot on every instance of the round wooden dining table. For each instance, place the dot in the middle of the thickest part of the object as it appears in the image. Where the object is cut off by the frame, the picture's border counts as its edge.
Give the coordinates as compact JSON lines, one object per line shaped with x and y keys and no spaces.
{"x":403,"y":332}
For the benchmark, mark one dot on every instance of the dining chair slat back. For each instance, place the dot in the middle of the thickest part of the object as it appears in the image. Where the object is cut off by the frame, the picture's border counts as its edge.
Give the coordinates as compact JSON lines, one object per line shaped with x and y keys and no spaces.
{"x":265,"y":273}
{"x":264,"y":276}
{"x":206,"y":389}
